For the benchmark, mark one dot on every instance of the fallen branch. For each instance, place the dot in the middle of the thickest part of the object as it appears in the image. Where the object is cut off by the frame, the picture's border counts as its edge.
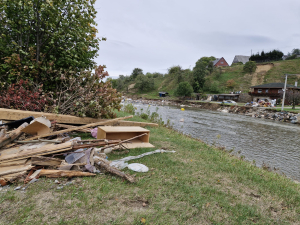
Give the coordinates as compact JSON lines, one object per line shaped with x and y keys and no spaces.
{"x":12,"y":136}
{"x":102,"y":164}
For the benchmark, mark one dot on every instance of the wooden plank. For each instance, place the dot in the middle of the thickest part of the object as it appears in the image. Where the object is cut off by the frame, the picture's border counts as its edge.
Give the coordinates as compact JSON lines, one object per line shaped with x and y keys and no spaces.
{"x":78,"y":128}
{"x":64,"y":173}
{"x":13,"y":114}
{"x":43,"y":150}
{"x":87,"y":130}
{"x":14,"y":169}
{"x":45,"y":161}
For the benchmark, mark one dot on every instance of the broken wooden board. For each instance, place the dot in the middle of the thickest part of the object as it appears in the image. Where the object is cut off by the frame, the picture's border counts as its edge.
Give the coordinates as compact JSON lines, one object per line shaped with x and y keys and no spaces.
{"x":14,"y":169}
{"x":64,"y":173}
{"x":13,"y":114}
{"x":45,"y":161}
{"x":79,"y":127}
{"x":36,"y":128}
{"x":4,"y":180}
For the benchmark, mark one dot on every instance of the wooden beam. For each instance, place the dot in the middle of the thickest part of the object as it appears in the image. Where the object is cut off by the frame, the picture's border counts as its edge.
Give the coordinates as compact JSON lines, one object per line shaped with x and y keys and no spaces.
{"x":45,"y":161}
{"x":64,"y":173}
{"x":13,"y":114}
{"x":78,"y":128}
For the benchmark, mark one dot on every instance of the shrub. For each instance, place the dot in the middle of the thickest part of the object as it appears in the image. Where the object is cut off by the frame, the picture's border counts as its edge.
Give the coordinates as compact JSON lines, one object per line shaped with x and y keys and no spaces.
{"x":85,"y":94}
{"x":249,"y":67}
{"x":129,"y":108}
{"x":184,"y":89}
{"x":23,"y":96}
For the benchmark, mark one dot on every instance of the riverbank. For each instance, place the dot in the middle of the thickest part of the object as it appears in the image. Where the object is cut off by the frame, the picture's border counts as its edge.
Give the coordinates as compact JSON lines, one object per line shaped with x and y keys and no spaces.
{"x":199,"y":184}
{"x":256,"y":112}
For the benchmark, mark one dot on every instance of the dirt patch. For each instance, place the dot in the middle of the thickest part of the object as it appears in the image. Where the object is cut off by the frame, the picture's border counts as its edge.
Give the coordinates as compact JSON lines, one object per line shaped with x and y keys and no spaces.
{"x":260,"y":72}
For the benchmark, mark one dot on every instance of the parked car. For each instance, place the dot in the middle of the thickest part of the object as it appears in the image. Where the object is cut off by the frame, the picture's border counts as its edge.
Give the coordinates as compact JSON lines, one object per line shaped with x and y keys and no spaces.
{"x":229,"y":101}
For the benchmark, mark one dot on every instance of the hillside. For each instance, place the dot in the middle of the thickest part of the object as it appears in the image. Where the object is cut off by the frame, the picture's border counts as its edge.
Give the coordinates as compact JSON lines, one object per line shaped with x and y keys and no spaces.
{"x":216,"y":81}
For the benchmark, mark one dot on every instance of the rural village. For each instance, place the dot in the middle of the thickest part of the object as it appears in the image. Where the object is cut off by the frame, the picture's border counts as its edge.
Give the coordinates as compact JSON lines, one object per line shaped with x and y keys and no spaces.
{"x":212,"y":143}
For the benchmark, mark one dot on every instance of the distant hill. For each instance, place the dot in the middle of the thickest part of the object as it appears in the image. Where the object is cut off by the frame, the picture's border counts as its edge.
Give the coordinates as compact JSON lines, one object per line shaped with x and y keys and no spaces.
{"x":216,"y":81}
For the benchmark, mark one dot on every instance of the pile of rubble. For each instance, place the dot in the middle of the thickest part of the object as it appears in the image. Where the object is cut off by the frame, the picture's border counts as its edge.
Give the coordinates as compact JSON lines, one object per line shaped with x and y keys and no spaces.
{"x":263,"y":113}
{"x":37,"y":147}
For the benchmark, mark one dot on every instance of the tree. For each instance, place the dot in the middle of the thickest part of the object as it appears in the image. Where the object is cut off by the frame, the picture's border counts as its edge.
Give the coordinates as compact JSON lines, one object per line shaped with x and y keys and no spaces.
{"x":144,"y":83}
{"x":249,"y":67}
{"x":296,"y":51}
{"x":136,"y":72}
{"x":293,"y":97}
{"x":184,"y":89}
{"x":39,"y":38}
{"x":230,"y":84}
{"x":200,"y":70}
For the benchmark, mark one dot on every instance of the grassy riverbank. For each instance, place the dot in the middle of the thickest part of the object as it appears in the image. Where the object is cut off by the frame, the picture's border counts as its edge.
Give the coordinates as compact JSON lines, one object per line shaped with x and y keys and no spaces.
{"x":198,"y":184}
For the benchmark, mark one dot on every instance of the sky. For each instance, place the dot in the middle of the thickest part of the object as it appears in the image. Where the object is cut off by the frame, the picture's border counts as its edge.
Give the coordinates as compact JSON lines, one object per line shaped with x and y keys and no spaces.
{"x":155,"y":35}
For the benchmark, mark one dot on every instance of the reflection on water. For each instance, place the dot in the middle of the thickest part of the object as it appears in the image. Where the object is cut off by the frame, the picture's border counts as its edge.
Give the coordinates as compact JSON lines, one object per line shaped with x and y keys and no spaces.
{"x":265,"y":141}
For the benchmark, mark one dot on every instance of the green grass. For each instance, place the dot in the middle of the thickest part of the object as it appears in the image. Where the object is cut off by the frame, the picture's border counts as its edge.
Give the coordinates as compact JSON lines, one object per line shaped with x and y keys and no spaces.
{"x":199,"y":184}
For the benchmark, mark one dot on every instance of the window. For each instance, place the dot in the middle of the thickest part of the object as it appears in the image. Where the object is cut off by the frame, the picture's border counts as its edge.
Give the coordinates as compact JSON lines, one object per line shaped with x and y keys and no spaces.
{"x":267,"y":90}
{"x":222,"y":62}
{"x":259,"y":91}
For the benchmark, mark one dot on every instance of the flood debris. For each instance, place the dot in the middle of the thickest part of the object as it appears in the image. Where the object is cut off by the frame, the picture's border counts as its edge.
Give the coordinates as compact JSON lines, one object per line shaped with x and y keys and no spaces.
{"x":41,"y":147}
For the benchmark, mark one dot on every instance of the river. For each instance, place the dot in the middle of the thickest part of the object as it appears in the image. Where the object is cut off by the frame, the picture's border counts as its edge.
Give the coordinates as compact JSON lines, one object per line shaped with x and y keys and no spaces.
{"x":262,"y":141}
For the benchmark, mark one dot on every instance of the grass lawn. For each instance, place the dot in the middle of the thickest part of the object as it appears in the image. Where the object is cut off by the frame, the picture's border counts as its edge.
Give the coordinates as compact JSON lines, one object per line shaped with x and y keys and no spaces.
{"x":198,"y":184}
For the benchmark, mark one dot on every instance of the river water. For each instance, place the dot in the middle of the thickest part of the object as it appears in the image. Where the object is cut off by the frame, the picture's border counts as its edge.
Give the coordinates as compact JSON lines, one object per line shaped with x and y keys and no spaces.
{"x":273,"y":143}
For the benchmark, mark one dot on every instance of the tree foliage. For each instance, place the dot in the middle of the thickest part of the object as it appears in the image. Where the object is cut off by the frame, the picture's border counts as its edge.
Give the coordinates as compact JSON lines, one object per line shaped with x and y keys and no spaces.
{"x":249,"y":67}
{"x":274,"y":55}
{"x":38,"y":38}
{"x":136,"y":72}
{"x":184,"y":89}
{"x":230,"y":84}
{"x":200,"y":70}
{"x":144,"y":83}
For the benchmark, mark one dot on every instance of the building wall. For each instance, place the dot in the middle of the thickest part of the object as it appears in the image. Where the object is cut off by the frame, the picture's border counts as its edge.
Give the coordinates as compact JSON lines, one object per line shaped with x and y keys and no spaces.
{"x":222,"y":62}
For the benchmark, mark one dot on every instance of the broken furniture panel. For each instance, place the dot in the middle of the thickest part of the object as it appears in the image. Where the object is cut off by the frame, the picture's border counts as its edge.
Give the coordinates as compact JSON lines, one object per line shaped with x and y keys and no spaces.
{"x":124,"y":133}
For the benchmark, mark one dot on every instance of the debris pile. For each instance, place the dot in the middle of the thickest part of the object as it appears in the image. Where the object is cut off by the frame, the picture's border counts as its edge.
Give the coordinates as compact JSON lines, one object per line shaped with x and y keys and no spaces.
{"x":38,"y":147}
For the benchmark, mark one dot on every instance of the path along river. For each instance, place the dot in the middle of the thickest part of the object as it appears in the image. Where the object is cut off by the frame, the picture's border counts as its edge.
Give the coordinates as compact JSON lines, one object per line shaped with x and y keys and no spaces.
{"x":265,"y":141}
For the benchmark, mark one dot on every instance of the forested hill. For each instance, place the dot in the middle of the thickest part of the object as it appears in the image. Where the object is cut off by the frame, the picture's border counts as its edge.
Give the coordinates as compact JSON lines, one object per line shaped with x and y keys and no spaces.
{"x":205,"y":78}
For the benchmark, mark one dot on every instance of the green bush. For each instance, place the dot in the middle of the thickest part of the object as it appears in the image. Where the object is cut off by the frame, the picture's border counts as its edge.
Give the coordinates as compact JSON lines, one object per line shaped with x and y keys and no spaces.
{"x":249,"y":67}
{"x":184,"y":89}
{"x":129,"y":108}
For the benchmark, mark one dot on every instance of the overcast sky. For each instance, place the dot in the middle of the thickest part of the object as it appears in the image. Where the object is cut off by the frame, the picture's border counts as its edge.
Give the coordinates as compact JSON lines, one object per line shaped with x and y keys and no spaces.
{"x":156,"y":34}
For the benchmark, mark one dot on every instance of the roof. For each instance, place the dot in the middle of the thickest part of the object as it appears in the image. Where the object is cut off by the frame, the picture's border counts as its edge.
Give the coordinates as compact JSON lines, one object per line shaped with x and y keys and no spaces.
{"x":216,"y":61}
{"x":274,"y":85}
{"x":241,"y":58}
{"x":163,"y":92}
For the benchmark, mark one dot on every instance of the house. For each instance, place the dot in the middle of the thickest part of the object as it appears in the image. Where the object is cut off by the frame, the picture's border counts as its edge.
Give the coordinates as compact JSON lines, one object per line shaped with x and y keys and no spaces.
{"x":220,"y":62}
{"x":234,"y":97}
{"x":269,"y":91}
{"x":240,"y":58}
{"x":163,"y":94}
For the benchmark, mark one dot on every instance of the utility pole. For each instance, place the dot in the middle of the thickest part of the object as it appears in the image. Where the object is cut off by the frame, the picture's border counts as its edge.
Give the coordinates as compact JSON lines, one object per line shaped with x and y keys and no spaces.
{"x":284,"y":90}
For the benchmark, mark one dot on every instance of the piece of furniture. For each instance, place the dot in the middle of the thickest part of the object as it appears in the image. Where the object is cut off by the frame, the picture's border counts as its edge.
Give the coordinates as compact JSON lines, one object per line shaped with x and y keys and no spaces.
{"x":124,"y":133}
